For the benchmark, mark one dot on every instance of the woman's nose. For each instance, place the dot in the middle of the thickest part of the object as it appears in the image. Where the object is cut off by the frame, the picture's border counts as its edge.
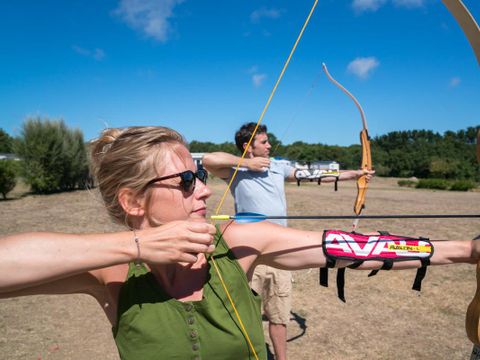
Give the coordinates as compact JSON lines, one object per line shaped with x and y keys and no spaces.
{"x":202,"y":190}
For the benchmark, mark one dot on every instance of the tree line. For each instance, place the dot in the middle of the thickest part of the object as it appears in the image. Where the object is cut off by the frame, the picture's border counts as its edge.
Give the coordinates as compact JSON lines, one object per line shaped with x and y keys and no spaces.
{"x":54,"y":158}
{"x":411,"y":153}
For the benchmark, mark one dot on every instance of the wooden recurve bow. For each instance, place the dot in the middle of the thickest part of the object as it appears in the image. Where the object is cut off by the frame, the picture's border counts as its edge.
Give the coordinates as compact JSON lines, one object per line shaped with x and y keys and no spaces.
{"x":472,"y":31}
{"x":467,"y":23}
{"x":472,"y":319}
{"x":366,"y":164}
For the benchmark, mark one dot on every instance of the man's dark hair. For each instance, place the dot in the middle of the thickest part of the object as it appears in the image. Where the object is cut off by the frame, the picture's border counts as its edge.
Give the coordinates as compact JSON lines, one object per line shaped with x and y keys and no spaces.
{"x":245,"y":133}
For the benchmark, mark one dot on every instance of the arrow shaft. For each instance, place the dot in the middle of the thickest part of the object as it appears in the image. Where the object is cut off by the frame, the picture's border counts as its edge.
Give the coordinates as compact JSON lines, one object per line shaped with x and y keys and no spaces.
{"x":340,"y":217}
{"x":410,"y":216}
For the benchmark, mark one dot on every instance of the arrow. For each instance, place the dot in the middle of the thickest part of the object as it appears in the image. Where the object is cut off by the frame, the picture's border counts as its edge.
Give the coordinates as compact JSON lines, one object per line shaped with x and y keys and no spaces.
{"x":250,"y":217}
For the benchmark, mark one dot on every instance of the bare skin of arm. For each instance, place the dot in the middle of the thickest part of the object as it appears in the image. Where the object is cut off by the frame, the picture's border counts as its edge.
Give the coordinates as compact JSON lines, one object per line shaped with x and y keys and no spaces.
{"x":220,"y":163}
{"x":344,"y":175}
{"x":42,"y":260}
{"x":293,"y":249}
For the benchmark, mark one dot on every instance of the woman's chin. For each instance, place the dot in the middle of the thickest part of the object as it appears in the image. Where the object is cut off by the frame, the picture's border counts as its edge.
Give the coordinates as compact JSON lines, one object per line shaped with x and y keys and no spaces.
{"x":198,"y":218}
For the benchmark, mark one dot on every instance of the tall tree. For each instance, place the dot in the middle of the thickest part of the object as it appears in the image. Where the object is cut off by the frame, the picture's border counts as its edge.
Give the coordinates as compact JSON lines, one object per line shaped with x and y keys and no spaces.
{"x":54,"y":157}
{"x":6,"y":142}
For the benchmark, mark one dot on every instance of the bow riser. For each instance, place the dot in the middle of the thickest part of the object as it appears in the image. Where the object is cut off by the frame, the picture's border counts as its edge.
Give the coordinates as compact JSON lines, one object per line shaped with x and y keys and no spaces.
{"x":362,"y":180}
{"x":472,"y":319}
{"x":473,"y":314}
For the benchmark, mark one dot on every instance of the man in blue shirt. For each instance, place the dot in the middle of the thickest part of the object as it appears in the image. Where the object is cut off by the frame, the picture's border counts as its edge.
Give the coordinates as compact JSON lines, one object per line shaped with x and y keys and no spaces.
{"x":259,"y":186}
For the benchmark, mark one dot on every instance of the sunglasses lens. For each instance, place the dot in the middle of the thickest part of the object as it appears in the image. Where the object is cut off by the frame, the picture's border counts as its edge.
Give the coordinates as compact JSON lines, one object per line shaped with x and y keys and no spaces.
{"x":188,"y":181}
{"x":202,"y":175}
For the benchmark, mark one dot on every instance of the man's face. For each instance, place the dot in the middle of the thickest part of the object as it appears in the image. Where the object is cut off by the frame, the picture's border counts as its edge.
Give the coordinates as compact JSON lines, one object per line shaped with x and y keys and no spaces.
{"x":261,"y":147}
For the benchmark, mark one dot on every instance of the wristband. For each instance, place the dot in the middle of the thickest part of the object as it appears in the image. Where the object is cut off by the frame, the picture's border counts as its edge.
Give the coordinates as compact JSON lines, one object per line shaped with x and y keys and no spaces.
{"x":137,"y":242}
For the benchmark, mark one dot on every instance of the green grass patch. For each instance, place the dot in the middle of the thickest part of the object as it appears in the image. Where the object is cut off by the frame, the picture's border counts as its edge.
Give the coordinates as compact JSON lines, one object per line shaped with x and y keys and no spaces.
{"x":442,"y":184}
{"x":407,"y":183}
{"x":437,"y":184}
{"x":463,"y":185}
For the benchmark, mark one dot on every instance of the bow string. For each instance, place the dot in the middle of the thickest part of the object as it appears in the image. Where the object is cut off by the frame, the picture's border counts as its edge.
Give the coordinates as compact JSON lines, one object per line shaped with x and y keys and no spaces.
{"x":222,"y":200}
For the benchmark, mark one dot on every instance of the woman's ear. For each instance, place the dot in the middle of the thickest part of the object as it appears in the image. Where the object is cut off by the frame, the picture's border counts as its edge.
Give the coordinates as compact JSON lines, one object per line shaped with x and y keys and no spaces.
{"x":132,"y":204}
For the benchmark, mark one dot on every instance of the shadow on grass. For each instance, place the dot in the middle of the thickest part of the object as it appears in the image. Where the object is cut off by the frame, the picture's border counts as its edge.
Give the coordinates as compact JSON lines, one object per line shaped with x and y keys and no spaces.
{"x":302,"y":325}
{"x":17,"y":196}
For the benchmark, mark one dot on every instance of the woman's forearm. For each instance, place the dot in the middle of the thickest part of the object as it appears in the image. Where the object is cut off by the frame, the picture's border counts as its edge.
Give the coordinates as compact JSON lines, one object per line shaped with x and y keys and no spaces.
{"x":30,"y":259}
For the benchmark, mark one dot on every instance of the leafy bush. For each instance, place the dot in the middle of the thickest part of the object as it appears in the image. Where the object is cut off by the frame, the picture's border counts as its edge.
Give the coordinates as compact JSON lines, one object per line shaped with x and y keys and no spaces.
{"x":439,"y":184}
{"x":7,"y":176}
{"x":407,"y":183}
{"x":6,"y":142}
{"x":463,"y":185}
{"x":54,"y":157}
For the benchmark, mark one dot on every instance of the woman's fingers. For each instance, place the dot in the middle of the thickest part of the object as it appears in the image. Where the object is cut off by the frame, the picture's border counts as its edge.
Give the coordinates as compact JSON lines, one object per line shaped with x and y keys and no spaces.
{"x":204,"y":231}
{"x":198,"y":248}
{"x":178,"y":241}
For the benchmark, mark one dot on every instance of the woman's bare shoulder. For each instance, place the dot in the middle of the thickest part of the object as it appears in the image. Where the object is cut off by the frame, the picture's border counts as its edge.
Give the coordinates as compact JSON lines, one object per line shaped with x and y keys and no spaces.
{"x":254,"y":235}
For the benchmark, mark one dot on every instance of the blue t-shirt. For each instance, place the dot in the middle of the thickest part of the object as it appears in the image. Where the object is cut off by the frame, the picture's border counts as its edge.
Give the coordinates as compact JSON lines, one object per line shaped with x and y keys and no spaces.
{"x":262,"y":191}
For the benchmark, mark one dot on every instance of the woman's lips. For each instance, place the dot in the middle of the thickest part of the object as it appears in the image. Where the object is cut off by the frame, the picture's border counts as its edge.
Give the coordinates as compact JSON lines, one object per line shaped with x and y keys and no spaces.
{"x":201,"y":211}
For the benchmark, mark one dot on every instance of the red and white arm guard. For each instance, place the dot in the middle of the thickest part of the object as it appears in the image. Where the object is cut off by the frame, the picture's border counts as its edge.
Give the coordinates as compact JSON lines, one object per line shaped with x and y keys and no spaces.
{"x":343,"y":245}
{"x":355,"y":247}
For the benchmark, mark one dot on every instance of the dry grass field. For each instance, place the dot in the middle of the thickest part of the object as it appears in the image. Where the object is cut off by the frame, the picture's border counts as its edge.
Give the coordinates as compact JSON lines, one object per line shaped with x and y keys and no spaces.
{"x":382,"y":318}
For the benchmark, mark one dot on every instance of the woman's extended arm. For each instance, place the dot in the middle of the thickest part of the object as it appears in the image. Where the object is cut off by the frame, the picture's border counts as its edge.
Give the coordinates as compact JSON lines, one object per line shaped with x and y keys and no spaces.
{"x":33,"y":259}
{"x":293,"y":249}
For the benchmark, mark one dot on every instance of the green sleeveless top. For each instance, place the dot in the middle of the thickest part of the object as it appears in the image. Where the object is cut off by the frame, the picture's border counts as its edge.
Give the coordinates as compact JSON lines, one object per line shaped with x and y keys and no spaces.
{"x":153,"y":325}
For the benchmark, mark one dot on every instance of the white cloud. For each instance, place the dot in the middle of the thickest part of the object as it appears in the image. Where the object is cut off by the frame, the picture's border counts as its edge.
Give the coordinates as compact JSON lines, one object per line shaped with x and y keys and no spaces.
{"x":360,"y":6}
{"x":149,"y":16}
{"x":455,"y":81}
{"x":263,"y":12}
{"x":409,"y":3}
{"x":258,"y":79}
{"x":363,"y":67}
{"x":148,"y":74}
{"x":80,"y":50}
{"x":367,"y":5}
{"x":97,"y":54}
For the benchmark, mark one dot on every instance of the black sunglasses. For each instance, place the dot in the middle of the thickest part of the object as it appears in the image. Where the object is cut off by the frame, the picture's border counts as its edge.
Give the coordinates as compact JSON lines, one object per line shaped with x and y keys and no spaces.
{"x":187,"y":179}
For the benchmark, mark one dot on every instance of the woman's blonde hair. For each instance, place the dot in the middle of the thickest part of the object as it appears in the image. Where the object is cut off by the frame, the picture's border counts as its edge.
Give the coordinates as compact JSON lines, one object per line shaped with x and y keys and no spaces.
{"x":128,"y":158}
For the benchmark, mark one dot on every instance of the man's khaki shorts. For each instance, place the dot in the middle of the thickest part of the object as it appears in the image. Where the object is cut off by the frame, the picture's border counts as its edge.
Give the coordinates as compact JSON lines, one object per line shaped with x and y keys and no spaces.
{"x":275,"y":288}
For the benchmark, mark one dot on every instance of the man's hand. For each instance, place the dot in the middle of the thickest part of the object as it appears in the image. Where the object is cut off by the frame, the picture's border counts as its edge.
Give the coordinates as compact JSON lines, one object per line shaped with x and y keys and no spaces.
{"x":257,"y":163}
{"x":369,"y":174}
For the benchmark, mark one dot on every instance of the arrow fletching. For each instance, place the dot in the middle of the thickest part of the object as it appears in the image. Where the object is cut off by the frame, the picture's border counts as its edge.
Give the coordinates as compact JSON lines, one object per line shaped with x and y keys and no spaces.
{"x":242,"y":217}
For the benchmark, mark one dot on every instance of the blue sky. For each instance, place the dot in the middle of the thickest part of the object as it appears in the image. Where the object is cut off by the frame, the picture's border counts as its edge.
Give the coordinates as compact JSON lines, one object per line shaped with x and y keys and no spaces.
{"x":206,"y":67}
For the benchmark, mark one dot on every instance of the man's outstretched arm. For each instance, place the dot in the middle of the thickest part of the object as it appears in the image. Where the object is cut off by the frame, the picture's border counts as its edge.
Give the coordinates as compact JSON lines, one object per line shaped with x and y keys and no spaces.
{"x":220,"y":163}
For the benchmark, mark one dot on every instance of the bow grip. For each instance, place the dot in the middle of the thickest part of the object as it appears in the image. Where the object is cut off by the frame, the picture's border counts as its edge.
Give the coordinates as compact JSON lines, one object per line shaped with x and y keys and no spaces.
{"x":473,"y":314}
